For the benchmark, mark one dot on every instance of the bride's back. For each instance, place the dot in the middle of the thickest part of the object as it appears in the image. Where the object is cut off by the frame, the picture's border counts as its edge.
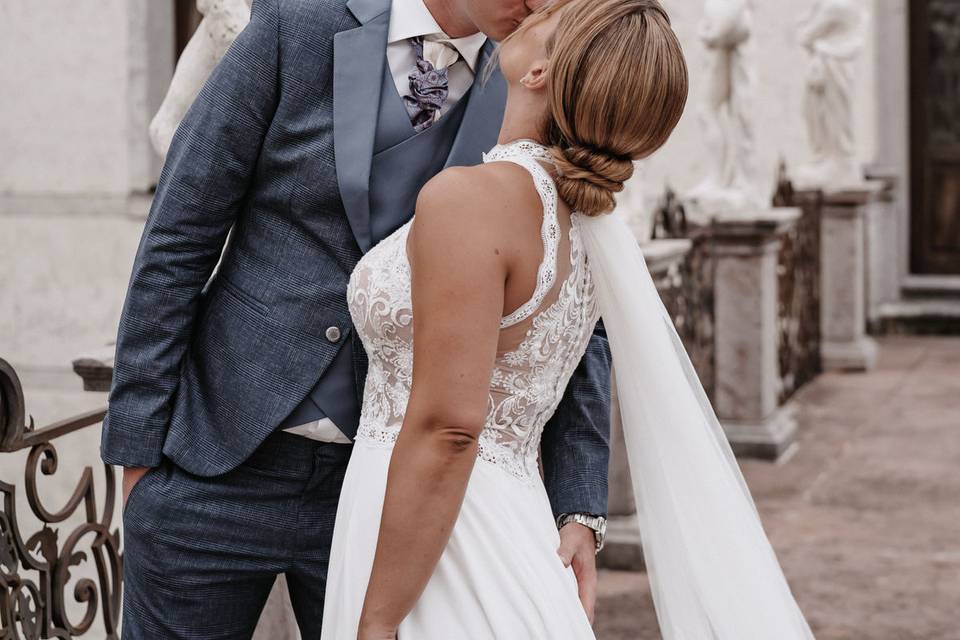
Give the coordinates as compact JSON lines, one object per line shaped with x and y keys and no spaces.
{"x":548,"y":316}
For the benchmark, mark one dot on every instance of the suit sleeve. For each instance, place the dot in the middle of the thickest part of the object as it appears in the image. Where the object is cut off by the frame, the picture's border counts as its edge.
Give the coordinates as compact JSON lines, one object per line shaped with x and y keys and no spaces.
{"x":575,"y":447}
{"x":202,"y":189}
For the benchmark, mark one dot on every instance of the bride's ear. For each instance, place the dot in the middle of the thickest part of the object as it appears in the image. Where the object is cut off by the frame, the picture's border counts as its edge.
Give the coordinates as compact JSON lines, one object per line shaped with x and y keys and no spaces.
{"x":536,"y":77}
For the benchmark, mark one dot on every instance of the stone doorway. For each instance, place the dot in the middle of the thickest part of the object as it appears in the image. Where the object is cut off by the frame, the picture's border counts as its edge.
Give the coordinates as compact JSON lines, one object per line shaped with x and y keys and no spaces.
{"x":935,"y":137}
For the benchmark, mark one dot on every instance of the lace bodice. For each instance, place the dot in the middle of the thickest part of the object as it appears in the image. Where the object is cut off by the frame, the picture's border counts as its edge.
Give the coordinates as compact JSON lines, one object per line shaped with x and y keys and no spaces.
{"x":541,"y":342}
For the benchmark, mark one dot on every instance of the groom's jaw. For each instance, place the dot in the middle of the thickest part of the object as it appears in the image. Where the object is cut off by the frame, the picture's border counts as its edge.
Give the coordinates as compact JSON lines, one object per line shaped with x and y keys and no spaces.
{"x":496,"y":18}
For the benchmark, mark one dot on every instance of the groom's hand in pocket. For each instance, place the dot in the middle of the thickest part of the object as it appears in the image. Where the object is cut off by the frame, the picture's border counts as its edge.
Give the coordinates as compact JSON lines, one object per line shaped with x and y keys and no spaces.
{"x":131,"y":476}
{"x":578,"y":548}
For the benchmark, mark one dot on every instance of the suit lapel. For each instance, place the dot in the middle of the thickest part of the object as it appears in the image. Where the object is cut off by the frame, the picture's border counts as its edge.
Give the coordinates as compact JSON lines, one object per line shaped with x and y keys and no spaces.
{"x":358,"y":58}
{"x":484,"y":115}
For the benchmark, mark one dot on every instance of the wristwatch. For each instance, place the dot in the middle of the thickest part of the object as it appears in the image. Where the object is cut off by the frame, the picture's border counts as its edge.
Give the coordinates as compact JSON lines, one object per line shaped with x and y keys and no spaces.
{"x":597,"y":523}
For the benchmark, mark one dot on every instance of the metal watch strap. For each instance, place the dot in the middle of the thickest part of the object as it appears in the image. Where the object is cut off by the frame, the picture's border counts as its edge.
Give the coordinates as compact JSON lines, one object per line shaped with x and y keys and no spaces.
{"x":598,"y":524}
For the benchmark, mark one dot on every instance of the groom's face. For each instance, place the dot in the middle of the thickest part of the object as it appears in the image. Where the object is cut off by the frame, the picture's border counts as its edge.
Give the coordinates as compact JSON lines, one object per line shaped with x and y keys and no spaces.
{"x":499,"y":18}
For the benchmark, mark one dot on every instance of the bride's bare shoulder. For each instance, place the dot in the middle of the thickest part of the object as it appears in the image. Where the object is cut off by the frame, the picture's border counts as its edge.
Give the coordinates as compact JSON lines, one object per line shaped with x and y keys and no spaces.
{"x":488,"y":200}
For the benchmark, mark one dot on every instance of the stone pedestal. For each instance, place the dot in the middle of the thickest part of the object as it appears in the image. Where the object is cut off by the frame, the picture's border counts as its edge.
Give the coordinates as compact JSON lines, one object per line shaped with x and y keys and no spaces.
{"x":746,"y":306}
{"x":883,"y":240}
{"x":845,"y":345}
{"x":623,"y":549}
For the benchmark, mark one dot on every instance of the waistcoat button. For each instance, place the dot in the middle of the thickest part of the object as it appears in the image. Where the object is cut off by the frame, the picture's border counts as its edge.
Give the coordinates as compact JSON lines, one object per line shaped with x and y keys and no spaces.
{"x":333,"y":334}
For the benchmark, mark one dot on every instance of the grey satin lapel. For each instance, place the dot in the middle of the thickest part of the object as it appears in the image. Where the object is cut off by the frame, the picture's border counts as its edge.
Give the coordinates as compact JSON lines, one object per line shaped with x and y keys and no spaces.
{"x":358,"y":58}
{"x":483,"y":117}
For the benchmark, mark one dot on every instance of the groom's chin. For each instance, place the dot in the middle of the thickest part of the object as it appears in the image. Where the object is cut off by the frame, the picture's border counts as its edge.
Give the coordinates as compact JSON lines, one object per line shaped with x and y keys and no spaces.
{"x":499,"y":32}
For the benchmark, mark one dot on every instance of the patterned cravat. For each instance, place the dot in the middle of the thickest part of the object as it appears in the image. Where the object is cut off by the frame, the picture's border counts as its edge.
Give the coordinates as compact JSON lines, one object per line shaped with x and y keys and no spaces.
{"x":429,"y":81}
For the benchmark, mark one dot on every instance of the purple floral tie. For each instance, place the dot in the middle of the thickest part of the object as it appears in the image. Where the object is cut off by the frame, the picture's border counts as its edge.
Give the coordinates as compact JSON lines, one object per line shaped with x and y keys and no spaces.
{"x":428,"y":90}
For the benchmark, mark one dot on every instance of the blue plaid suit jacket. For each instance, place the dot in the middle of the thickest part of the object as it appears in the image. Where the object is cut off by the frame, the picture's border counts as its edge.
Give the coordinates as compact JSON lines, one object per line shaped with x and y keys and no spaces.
{"x":207,"y":367}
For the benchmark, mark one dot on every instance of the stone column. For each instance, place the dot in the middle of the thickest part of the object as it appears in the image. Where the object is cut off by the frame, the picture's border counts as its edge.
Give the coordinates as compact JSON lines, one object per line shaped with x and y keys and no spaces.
{"x":623,"y":550}
{"x":844,"y":343}
{"x":746,"y":308}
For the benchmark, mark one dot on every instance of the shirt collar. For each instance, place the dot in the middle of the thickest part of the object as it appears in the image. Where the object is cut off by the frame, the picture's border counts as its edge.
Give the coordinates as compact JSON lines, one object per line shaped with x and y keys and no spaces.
{"x":411,"y":18}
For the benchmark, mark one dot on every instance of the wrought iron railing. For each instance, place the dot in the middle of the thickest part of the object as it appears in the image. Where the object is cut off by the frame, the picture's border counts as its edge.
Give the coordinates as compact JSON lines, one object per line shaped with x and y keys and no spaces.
{"x":688,"y":293}
{"x":38,"y":568}
{"x":688,"y":296}
{"x":798,"y":272}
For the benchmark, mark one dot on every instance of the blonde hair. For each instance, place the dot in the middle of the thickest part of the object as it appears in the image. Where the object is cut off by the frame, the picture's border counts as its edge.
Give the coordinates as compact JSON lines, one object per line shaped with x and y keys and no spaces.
{"x":617,"y":86}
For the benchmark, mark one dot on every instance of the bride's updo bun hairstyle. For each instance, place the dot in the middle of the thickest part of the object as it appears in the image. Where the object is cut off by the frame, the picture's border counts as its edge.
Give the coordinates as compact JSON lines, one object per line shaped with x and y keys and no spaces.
{"x":617,"y":86}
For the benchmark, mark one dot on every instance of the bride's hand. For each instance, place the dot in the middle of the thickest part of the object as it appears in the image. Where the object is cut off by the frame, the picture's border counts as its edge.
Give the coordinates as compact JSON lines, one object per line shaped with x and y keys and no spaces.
{"x":370,"y":630}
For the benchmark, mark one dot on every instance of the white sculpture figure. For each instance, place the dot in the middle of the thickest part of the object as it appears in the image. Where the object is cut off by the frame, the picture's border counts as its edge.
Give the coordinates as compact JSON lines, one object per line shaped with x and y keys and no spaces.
{"x":832,"y":32}
{"x":222,"y":21}
{"x":728,"y":189}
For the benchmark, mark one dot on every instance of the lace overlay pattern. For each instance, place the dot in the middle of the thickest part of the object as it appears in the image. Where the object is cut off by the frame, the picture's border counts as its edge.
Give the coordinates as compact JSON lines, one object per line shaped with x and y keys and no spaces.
{"x":528,"y":381}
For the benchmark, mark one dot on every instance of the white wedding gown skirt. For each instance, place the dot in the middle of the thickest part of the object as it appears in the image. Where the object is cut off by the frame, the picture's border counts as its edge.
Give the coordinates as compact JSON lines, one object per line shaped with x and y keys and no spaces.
{"x":500,"y":576}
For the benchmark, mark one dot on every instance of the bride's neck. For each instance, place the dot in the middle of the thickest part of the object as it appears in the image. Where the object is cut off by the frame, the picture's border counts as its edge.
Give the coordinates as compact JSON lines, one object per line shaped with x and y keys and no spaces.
{"x":521,"y":118}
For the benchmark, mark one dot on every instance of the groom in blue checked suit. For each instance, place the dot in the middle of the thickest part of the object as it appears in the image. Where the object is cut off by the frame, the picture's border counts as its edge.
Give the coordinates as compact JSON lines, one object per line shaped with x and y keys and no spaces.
{"x":236,"y":394}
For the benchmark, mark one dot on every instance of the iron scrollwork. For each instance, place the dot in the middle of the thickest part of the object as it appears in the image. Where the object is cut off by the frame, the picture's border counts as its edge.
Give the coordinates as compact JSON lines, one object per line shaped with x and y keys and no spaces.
{"x":798,"y":275}
{"x":688,"y":293}
{"x":35,"y":573}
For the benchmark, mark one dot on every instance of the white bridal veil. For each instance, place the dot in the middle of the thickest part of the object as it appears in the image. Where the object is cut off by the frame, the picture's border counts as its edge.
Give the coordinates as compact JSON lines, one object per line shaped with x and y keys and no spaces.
{"x":713,"y":573}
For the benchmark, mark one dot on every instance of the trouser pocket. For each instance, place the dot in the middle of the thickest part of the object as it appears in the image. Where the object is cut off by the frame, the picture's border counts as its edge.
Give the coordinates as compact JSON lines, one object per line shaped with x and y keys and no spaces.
{"x":139,"y":487}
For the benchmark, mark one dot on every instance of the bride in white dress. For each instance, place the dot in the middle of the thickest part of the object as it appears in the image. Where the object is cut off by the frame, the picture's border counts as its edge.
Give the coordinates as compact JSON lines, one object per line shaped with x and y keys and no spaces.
{"x":444,"y":529}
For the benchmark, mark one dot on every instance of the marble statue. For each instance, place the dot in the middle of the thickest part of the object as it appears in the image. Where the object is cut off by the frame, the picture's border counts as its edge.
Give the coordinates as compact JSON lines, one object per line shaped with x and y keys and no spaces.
{"x":832,"y":33}
{"x":728,"y":189}
{"x":222,"y":21}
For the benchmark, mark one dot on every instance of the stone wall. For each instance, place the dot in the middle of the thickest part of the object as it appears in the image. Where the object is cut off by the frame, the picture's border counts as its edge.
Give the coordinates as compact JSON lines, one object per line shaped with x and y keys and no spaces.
{"x":80,"y":81}
{"x":63,"y":275}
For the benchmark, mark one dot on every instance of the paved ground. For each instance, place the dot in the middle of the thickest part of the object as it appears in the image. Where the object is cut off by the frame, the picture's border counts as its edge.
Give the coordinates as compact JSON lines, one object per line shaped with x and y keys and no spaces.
{"x":865,"y":516}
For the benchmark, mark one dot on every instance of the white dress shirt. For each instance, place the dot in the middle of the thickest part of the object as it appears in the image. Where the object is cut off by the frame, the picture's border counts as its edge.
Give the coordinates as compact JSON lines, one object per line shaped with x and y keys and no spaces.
{"x":409,"y":19}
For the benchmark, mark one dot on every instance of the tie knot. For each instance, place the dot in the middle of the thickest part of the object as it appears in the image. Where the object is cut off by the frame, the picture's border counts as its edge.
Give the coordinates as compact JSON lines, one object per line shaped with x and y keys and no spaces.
{"x":429,"y":81}
{"x":439,"y":51}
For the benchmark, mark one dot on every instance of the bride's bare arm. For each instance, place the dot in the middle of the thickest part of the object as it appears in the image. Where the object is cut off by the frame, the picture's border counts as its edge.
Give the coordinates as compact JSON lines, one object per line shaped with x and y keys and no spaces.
{"x":460,"y":266}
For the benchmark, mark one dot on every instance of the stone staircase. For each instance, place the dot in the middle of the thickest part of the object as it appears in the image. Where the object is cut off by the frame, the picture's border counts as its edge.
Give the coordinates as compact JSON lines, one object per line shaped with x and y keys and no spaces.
{"x":929,"y":305}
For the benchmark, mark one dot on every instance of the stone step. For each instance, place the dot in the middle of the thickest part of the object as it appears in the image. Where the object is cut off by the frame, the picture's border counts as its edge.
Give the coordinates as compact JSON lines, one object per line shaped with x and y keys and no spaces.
{"x":622,"y":550}
{"x":931,"y":287}
{"x":919,"y":316}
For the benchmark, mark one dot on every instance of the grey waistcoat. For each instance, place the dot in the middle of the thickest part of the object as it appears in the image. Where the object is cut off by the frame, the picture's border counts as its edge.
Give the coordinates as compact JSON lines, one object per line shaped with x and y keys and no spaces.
{"x":403,"y":161}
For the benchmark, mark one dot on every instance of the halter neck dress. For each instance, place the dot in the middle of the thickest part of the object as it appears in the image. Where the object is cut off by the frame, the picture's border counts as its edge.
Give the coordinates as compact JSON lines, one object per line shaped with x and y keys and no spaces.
{"x":500,"y":576}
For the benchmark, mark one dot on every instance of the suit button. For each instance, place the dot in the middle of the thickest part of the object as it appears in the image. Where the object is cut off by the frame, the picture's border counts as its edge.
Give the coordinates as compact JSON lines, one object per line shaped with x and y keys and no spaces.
{"x":333,"y":334}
